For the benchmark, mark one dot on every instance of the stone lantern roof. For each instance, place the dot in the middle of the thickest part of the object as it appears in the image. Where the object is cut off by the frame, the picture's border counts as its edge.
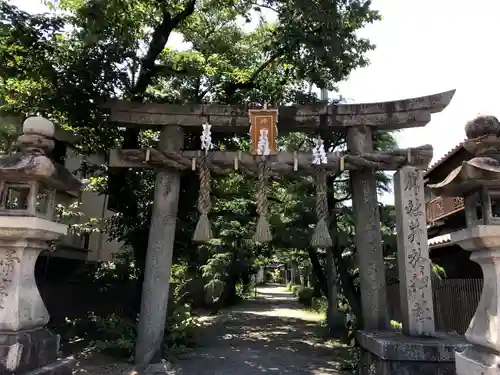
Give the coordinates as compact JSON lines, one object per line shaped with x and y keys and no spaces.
{"x":31,"y":163}
{"x":483,"y":170}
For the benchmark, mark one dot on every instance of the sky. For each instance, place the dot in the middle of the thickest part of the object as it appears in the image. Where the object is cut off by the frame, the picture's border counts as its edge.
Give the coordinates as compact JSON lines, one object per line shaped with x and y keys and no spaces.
{"x":423,"y":47}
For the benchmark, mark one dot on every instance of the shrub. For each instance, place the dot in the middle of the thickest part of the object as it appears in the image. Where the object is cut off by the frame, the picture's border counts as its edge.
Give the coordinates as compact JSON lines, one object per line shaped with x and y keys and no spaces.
{"x":295,"y":289}
{"x":320,"y":304}
{"x":306,"y":296}
{"x":275,"y":276}
{"x":396,"y":326}
{"x":180,"y":330}
{"x":245,"y":291}
{"x":116,"y":336}
{"x":111,"y":334}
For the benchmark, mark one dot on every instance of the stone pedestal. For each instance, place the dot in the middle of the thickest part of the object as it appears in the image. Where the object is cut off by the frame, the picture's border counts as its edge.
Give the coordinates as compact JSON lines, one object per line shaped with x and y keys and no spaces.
{"x":483,"y":358}
{"x":392,"y":353}
{"x":25,"y":345}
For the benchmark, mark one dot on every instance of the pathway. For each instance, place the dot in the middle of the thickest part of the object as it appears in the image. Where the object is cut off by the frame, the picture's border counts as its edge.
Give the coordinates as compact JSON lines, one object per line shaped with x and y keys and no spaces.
{"x":271,"y":334}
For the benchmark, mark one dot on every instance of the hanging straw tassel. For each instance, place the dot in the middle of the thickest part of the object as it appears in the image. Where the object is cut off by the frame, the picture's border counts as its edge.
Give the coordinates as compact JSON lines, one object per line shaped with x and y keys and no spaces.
{"x":203,"y":231}
{"x":263,"y":230}
{"x":321,"y":237}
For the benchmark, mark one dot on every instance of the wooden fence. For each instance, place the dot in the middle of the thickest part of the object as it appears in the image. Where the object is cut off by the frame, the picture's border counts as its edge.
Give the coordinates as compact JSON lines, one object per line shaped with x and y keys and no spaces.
{"x":455,"y":302}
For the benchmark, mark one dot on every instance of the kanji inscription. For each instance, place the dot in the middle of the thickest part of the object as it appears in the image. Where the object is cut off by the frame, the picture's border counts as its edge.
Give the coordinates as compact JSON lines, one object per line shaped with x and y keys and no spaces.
{"x":8,"y":262}
{"x":413,"y":254}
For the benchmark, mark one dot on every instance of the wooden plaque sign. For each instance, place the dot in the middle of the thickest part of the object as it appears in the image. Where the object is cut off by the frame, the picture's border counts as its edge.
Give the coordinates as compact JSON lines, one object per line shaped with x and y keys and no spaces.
{"x":263,"y":119}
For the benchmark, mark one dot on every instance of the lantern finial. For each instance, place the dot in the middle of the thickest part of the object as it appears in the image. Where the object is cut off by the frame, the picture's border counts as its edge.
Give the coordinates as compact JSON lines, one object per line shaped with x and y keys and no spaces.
{"x":37,"y":136}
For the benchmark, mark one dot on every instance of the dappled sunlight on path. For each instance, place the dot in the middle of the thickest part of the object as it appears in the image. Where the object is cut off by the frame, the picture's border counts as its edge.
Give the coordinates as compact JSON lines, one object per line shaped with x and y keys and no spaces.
{"x":271,"y":334}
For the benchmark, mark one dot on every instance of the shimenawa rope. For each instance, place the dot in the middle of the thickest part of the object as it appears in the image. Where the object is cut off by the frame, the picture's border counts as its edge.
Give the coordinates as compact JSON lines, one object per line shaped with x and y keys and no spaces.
{"x":263,"y":230}
{"x":321,"y":237}
{"x":203,"y":231}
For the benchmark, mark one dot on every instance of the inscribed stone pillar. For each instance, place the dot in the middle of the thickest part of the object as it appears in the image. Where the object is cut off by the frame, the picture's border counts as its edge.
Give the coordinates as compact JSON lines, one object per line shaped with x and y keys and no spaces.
{"x":368,"y":237}
{"x":413,"y":254}
{"x":155,"y":290}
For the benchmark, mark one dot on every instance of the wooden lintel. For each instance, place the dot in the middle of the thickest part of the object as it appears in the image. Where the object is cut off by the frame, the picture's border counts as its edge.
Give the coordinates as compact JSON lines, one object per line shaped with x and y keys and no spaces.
{"x":282,"y":163}
{"x":391,"y":115}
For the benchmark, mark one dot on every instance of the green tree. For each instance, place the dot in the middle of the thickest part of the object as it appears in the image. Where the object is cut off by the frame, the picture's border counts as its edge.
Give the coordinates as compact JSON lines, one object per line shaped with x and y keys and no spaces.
{"x":66,"y":64}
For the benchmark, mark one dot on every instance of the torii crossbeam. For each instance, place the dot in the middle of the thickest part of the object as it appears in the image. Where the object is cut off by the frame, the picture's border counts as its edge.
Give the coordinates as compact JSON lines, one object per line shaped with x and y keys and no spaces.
{"x":399,"y":114}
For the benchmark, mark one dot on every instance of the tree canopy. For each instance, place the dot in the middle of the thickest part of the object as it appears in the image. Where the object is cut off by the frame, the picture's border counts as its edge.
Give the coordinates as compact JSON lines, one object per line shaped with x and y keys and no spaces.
{"x":66,"y":63}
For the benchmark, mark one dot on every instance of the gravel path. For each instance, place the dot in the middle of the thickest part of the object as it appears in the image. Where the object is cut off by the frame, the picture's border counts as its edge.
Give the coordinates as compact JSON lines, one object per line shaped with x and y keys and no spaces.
{"x":271,"y":334}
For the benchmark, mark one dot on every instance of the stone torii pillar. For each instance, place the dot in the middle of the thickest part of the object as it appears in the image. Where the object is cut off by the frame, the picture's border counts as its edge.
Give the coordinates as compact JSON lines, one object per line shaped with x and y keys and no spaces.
{"x":155,"y":289}
{"x":368,"y":237}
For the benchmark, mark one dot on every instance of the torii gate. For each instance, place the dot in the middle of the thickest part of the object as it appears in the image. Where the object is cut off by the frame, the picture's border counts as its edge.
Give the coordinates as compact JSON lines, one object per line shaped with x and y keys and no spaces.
{"x":357,"y":120}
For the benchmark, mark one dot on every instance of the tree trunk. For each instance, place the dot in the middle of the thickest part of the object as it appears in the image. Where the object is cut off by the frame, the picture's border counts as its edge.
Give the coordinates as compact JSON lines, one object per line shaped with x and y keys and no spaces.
{"x":333,"y":318}
{"x":319,"y":275}
{"x":347,"y":286}
{"x":349,"y":290}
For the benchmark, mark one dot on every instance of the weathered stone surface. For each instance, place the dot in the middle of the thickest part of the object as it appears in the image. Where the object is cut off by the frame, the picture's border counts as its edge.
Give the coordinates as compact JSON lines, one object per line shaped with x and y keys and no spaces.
{"x":484,"y":242}
{"x":481,"y":126}
{"x":476,"y":180}
{"x":283,"y":162}
{"x":155,"y":290}
{"x":31,"y":163}
{"x":413,"y":253}
{"x":21,"y":241}
{"x":475,"y":361}
{"x":372,"y":365}
{"x":385,"y":115}
{"x":392,"y":353}
{"x":434,"y":103}
{"x":158,"y":368}
{"x":59,"y":367}
{"x":26,"y":351}
{"x":368,"y":237}
{"x":395,"y":346}
{"x":25,"y":345}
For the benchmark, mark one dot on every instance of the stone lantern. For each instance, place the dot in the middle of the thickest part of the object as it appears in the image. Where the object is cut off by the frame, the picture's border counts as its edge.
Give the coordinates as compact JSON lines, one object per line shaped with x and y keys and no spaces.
{"x":28,"y":184}
{"x":478,"y":182}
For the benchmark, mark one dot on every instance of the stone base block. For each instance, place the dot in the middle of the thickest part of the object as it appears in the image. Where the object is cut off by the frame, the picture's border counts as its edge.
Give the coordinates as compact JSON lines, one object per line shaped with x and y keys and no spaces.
{"x":26,"y":351}
{"x":160,"y":368}
{"x":59,"y":367}
{"x":475,"y":361}
{"x":392,"y":353}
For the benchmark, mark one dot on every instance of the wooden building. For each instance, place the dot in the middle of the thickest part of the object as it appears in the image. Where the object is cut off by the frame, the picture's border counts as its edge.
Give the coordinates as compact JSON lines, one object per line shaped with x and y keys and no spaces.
{"x":446,"y":215}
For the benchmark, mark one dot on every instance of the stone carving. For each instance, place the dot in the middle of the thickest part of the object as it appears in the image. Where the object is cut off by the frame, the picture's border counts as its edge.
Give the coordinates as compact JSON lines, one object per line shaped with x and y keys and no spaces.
{"x":8,"y":261}
{"x":413,"y":254}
